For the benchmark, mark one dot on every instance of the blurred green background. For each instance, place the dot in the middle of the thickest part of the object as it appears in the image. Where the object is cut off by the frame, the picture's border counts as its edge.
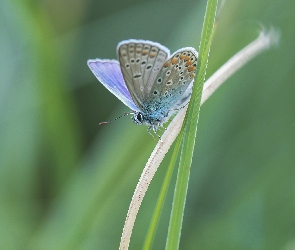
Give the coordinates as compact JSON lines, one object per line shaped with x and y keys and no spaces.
{"x":66,"y":183}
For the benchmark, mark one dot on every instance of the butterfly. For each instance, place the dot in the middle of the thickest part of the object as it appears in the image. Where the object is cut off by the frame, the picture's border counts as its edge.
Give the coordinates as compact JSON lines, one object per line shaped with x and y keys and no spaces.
{"x":148,"y":80}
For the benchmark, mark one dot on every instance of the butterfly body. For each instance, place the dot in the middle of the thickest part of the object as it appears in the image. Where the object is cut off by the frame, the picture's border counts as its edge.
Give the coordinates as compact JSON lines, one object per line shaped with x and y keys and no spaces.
{"x":153,"y":84}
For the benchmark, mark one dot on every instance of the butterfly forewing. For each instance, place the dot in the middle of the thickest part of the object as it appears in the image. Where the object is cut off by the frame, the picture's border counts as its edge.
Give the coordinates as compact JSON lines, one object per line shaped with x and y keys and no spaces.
{"x":140,"y":63}
{"x":108,"y":72}
{"x":174,"y":78}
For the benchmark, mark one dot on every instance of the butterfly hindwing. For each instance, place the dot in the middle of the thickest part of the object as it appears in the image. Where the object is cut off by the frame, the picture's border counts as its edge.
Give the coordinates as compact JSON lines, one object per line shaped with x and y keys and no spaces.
{"x":174,"y":78}
{"x":140,"y":63}
{"x":108,"y":72}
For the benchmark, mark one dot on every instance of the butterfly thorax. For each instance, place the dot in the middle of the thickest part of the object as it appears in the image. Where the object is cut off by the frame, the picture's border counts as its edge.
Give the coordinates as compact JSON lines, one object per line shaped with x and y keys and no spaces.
{"x":153,"y":116}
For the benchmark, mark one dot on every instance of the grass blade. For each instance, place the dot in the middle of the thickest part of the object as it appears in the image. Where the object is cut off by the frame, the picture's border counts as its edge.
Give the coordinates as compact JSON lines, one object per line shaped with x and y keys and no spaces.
{"x":190,"y":129}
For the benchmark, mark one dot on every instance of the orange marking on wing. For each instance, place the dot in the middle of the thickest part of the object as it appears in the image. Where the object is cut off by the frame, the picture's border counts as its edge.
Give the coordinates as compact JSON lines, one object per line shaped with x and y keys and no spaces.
{"x":152,"y":55}
{"x":181,"y":57}
{"x":174,"y":60}
{"x":186,"y":58}
{"x":191,"y":68}
{"x":166,"y":65}
{"x":188,"y":63}
{"x":144,"y":53}
{"x":192,"y":75}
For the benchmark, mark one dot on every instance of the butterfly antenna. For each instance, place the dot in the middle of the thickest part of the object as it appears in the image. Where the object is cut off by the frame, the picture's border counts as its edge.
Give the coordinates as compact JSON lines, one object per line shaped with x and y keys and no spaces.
{"x":126,"y":113}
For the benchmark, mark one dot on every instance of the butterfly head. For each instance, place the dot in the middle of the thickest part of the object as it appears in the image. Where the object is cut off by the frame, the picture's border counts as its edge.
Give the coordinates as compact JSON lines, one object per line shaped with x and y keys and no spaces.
{"x":138,"y":118}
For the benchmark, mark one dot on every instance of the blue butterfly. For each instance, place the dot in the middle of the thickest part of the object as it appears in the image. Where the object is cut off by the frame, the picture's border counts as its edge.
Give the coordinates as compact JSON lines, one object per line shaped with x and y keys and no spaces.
{"x":153,"y":84}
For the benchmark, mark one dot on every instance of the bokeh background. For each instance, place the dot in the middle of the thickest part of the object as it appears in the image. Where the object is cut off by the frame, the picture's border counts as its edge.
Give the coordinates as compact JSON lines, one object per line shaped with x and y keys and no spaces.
{"x":66,"y":183}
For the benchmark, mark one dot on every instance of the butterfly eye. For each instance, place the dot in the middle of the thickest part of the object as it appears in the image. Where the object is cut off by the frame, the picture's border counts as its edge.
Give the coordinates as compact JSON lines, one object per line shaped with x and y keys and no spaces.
{"x":138,"y":118}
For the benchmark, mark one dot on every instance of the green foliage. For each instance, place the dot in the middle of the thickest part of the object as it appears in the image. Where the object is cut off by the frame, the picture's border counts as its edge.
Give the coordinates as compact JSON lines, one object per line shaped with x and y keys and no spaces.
{"x":189,"y":130}
{"x":66,"y":183}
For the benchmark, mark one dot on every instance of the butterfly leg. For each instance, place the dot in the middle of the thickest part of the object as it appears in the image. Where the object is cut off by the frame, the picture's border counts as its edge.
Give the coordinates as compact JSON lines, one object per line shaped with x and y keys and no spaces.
{"x":155,"y":131}
{"x":161,"y":129}
{"x":149,"y":131}
{"x":161,"y":126}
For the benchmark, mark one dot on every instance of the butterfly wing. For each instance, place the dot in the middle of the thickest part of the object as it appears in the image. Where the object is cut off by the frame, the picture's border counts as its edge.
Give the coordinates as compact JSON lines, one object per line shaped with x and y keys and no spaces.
{"x":108,"y":72}
{"x":140,"y":63}
{"x":173,"y":82}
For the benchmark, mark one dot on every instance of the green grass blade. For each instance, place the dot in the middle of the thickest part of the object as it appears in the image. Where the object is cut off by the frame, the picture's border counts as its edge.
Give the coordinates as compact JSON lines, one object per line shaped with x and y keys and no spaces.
{"x":190,"y":125}
{"x":161,"y":199}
